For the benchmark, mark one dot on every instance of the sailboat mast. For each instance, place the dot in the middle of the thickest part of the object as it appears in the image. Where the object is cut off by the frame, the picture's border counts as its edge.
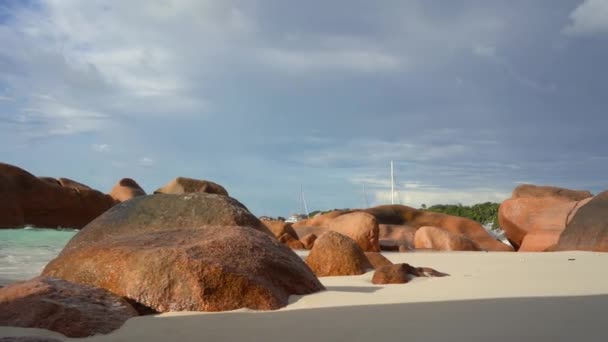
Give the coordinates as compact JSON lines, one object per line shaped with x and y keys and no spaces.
{"x":392,"y":184}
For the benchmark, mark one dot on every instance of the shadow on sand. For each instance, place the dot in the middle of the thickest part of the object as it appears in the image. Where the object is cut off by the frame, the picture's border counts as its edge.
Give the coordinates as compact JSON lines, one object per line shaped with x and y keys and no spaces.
{"x":360,"y":289}
{"x":537,"y":319}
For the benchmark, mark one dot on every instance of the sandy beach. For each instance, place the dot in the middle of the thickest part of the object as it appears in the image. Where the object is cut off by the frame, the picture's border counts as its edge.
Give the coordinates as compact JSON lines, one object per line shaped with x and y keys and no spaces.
{"x":488,"y":296}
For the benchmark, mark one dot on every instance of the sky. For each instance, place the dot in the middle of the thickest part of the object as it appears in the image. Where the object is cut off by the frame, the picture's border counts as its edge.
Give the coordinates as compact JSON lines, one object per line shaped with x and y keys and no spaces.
{"x":469,"y":98}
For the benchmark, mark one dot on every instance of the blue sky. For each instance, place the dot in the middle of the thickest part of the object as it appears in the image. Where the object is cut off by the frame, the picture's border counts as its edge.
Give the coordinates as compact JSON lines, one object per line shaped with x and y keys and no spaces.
{"x":469,"y":98}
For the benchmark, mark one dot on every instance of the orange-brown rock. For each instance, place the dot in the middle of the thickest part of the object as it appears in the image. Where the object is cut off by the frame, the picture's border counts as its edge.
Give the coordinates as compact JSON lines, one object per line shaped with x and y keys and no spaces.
{"x":158,"y":213}
{"x":535,"y":191}
{"x":539,"y":240}
{"x":442,"y":240}
{"x":126,"y":189}
{"x":392,"y":274}
{"x":196,"y":252}
{"x":69,"y":183}
{"x":588,"y":228}
{"x":28,"y":200}
{"x":320,"y":220}
{"x":377,"y":259}
{"x":415,"y":218}
{"x":50,"y":180}
{"x":306,"y":230}
{"x":361,"y":227}
{"x":400,"y":215}
{"x":71,"y":309}
{"x":334,"y":254}
{"x":278,"y":228}
{"x":522,"y":215}
{"x":183,"y":185}
{"x":292,"y":243}
{"x":397,"y":235}
{"x":308,"y":240}
{"x":402,"y":273}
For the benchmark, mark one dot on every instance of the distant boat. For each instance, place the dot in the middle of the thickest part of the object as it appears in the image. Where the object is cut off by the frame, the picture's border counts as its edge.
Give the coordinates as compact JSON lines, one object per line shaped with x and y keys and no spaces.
{"x":303,"y":209}
{"x":393,"y":190}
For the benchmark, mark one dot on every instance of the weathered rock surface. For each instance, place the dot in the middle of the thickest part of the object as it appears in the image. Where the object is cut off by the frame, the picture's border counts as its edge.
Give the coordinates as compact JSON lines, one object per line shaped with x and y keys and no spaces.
{"x":292,"y":243}
{"x":69,"y":183}
{"x":214,"y":268}
{"x":404,"y":215}
{"x":308,"y":240}
{"x":392,"y":274}
{"x":588,"y":228}
{"x":402,"y":273}
{"x":28,"y":200}
{"x":71,"y":309}
{"x":183,"y":185}
{"x":309,"y":230}
{"x":320,"y":220}
{"x":361,"y":227}
{"x":196,"y":252}
{"x":397,"y":235}
{"x":377,"y":259}
{"x":533,"y":209}
{"x":539,"y":240}
{"x":126,"y":189}
{"x":535,"y":191}
{"x":442,"y":240}
{"x":334,"y":254}
{"x":148,"y":214}
{"x":278,"y":228}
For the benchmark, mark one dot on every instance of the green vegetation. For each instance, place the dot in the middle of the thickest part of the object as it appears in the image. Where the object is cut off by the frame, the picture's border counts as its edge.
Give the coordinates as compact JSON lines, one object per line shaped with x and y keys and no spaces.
{"x":483,"y":213}
{"x":314,"y":213}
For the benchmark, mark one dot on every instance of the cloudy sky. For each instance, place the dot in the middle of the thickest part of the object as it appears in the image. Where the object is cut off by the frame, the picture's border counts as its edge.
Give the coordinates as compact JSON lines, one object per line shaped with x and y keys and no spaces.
{"x":469,"y":98}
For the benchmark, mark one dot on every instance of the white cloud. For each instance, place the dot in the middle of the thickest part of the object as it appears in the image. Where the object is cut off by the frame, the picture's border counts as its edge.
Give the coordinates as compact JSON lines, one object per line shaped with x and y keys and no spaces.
{"x":147,"y":162}
{"x":590,"y":17}
{"x":334,"y":59}
{"x":102,"y":148}
{"x":416,"y":198}
{"x":380,"y":152}
{"x":6,"y":98}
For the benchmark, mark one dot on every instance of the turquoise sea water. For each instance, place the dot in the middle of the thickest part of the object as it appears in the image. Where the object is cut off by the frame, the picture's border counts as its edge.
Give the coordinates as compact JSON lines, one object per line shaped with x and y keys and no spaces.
{"x":25,"y":252}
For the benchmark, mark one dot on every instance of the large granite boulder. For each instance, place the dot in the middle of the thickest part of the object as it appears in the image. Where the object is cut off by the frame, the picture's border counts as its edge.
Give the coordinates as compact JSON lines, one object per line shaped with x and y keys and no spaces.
{"x":539,"y":240}
{"x":73,"y":310}
{"x":152,"y":213}
{"x":536,"y":191}
{"x":183,"y":185}
{"x":442,"y":240}
{"x":28,"y":200}
{"x":361,"y":227}
{"x":334,"y":254}
{"x":126,"y":189}
{"x":194,"y":252}
{"x":535,"y":209}
{"x":320,"y":220}
{"x":588,"y":229}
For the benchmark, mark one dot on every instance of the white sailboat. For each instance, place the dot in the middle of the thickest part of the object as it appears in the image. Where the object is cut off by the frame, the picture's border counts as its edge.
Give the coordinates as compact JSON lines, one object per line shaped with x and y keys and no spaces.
{"x":303,"y":209}
{"x":393,"y":187}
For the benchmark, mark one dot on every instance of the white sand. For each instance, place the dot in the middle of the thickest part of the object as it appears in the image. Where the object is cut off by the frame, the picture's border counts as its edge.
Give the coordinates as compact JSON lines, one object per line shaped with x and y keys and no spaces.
{"x":488,"y":296}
